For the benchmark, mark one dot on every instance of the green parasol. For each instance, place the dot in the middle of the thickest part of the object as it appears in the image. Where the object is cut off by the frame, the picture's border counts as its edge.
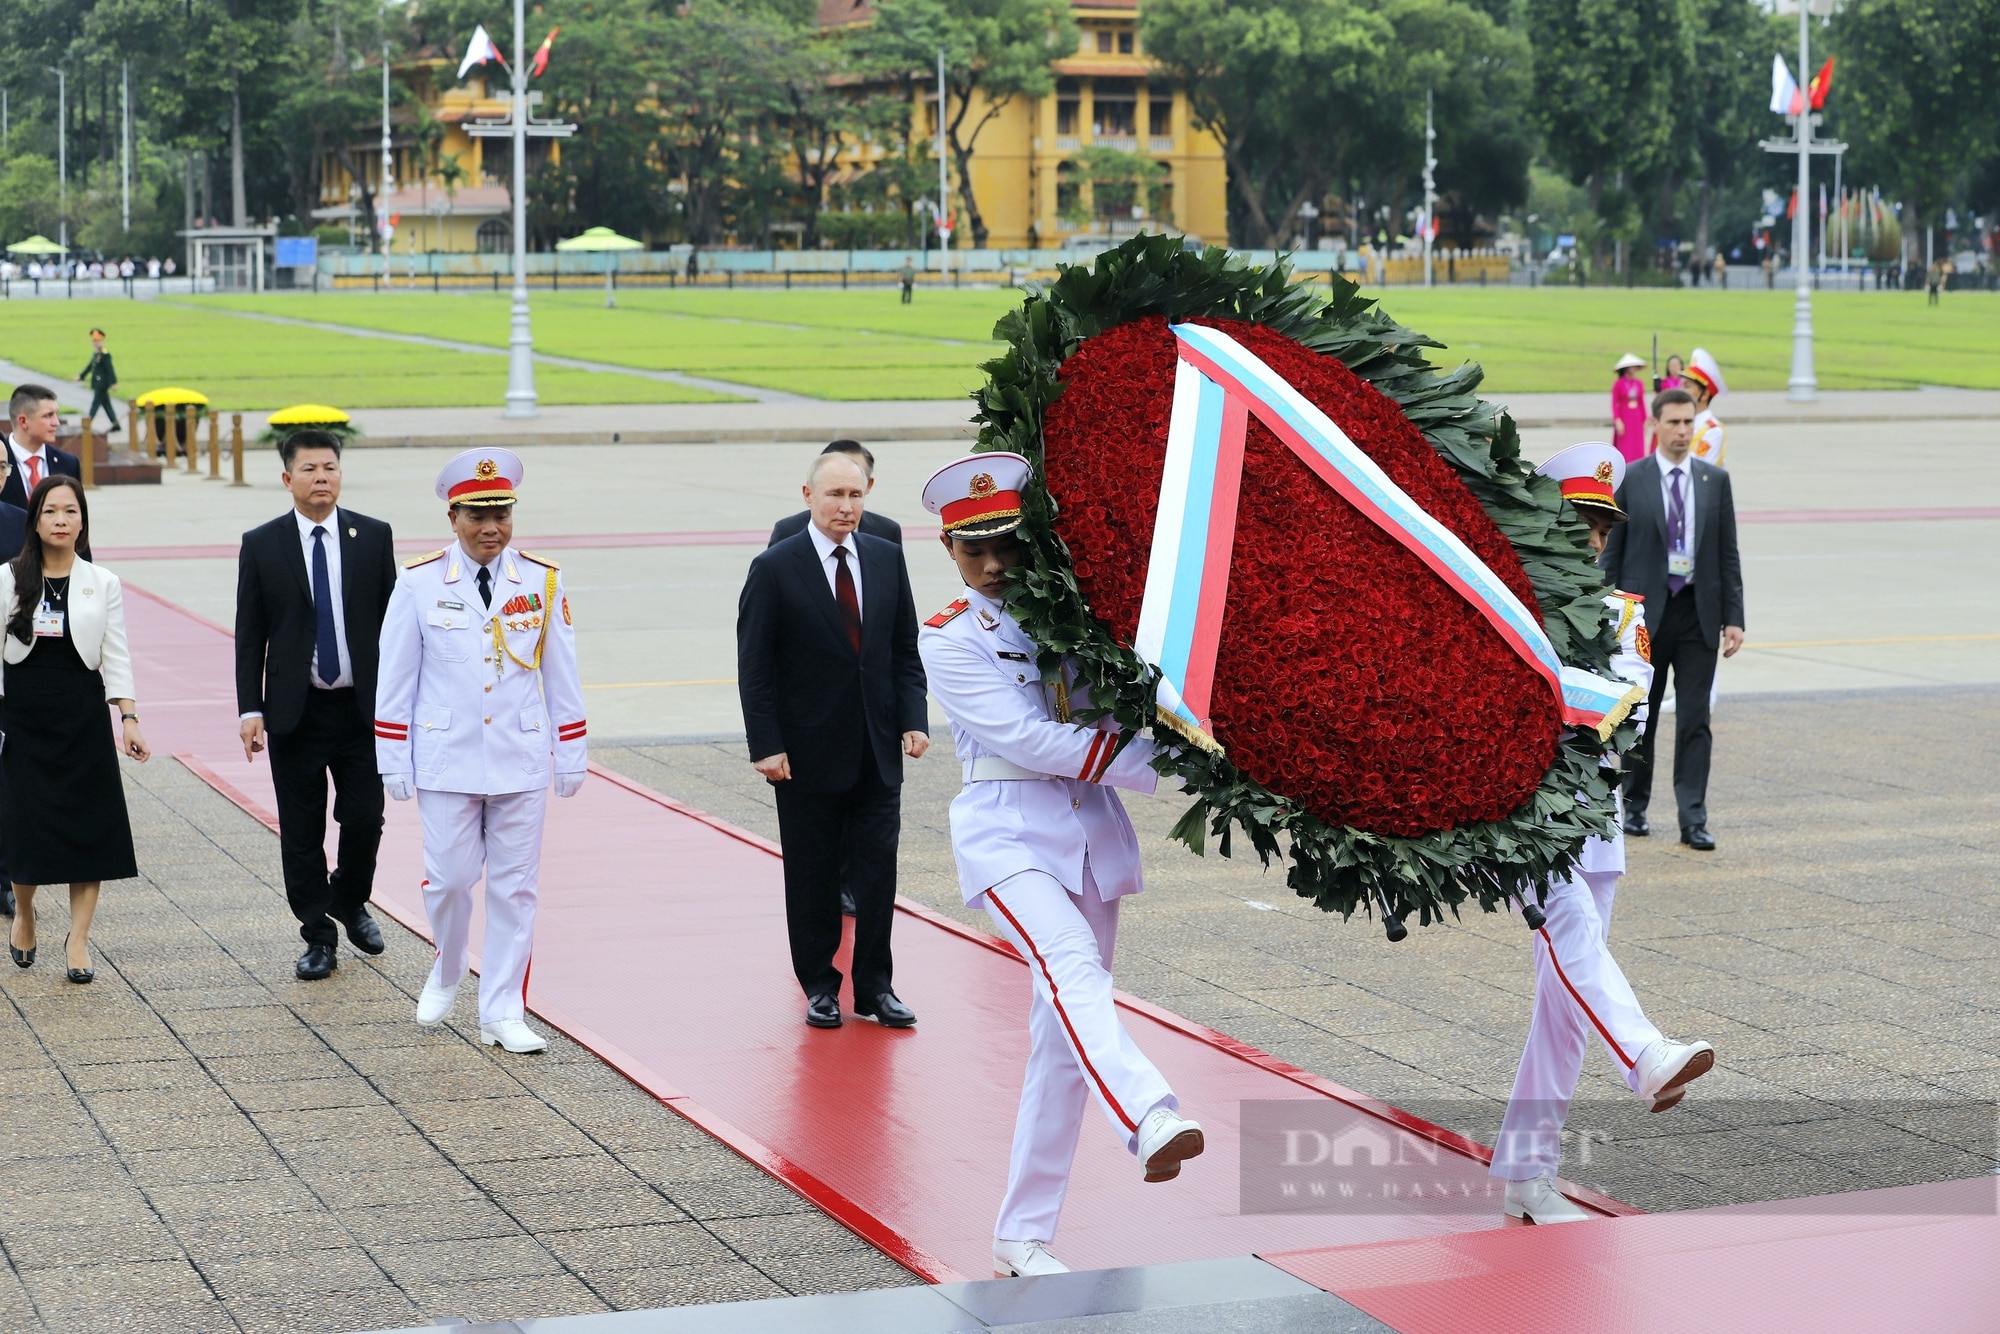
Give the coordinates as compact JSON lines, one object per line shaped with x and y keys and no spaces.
{"x":36,"y":245}
{"x":604,"y":239}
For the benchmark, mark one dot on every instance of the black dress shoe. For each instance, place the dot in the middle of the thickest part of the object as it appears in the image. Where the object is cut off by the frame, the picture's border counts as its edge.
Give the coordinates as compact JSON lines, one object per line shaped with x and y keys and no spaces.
{"x":318,"y":961}
{"x":24,"y":958}
{"x":1698,"y":838}
{"x":846,"y":903}
{"x":886,"y":1010}
{"x":1635,"y":824}
{"x":363,"y":934}
{"x":823,"y":1011}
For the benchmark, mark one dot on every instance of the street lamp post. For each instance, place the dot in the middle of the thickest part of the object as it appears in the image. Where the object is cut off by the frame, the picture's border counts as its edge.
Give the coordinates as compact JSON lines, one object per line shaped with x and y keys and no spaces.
{"x":1430,"y":183}
{"x":62,"y":156}
{"x":518,"y":127}
{"x":1803,"y":385}
{"x":944,"y":187}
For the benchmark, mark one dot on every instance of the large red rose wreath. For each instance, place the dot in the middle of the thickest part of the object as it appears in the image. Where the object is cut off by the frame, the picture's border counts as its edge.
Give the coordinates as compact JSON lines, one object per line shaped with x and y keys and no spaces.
{"x":1375,"y":731}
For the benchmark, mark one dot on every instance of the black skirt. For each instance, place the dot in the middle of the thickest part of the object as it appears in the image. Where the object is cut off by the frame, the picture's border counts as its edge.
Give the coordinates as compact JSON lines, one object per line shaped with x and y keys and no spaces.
{"x":62,"y":801}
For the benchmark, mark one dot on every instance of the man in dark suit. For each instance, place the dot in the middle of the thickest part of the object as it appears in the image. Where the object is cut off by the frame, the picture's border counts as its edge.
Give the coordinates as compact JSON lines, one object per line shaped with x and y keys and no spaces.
{"x":1677,"y":549}
{"x":31,"y":447}
{"x":833,"y":699}
{"x":311,"y":590}
{"x":872,"y":524}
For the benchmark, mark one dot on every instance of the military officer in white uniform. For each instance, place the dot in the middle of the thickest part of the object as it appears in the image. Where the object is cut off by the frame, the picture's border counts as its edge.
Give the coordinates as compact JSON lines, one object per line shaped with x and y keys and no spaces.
{"x":1704,"y":380}
{"x":1579,"y":987}
{"x":478,"y":709}
{"x":1045,"y":847}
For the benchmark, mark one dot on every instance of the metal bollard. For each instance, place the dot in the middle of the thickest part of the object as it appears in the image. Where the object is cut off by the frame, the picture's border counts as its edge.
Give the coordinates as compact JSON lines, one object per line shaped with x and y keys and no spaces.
{"x":236,"y":448}
{"x":173,"y":428}
{"x":87,"y":446}
{"x":214,"y":447}
{"x":194,"y":441}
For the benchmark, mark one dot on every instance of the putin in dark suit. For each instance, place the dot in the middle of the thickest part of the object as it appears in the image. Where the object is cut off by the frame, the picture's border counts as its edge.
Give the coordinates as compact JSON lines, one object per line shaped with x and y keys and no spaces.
{"x":1677,"y":549}
{"x":872,"y":524}
{"x":311,"y":591}
{"x":833,"y":699}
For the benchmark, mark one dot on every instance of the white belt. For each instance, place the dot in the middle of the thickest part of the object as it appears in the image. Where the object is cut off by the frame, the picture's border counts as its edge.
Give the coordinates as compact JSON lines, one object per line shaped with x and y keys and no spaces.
{"x":992,"y":768}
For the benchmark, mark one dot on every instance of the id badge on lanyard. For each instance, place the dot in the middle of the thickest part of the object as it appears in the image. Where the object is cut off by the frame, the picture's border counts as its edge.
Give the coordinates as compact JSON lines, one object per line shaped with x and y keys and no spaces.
{"x":1680,"y":564}
{"x":48,"y":622}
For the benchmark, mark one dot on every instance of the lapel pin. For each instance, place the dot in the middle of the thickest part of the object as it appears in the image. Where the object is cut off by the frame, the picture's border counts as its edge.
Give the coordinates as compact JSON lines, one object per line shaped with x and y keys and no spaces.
{"x":352,"y":533}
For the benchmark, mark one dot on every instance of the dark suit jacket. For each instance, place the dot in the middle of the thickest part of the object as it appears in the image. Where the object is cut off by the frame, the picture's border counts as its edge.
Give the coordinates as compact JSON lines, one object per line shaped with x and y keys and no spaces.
{"x":276,"y":630}
{"x":15,"y":492}
{"x":872,"y":525}
{"x":804,"y":692}
{"x":13,"y":530}
{"x":1635,"y":558}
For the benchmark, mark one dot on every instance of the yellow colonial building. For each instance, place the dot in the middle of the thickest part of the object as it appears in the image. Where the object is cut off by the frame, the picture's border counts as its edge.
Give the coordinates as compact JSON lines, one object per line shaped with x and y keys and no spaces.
{"x":1030,"y":169}
{"x":447,"y":190}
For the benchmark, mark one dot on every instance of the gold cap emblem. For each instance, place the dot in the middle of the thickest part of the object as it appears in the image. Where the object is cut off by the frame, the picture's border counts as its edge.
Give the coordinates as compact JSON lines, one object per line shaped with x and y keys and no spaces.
{"x":982,"y":486}
{"x":1604,"y":471}
{"x":486,"y":470}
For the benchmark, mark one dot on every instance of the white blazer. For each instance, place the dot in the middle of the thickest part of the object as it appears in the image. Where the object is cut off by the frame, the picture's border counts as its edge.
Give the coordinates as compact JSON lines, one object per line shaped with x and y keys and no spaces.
{"x":96,"y":626}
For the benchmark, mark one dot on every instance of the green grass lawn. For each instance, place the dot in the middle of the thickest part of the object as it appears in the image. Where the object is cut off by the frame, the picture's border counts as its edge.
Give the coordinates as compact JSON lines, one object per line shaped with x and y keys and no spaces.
{"x":865,"y":344}
{"x":244,"y":365}
{"x":1552,"y":339}
{"x":827,"y":344}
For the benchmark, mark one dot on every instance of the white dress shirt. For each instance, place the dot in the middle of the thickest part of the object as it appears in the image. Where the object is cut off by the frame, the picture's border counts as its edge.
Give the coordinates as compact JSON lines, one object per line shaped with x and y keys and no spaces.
{"x":39,"y":453}
{"x":1686,"y":467}
{"x":332,"y":525}
{"x":826,"y":547}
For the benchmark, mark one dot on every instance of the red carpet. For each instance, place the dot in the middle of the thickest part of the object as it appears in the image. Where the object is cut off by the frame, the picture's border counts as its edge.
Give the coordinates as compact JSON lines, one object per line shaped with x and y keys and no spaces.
{"x":1911,"y":1258}
{"x":661,"y":947}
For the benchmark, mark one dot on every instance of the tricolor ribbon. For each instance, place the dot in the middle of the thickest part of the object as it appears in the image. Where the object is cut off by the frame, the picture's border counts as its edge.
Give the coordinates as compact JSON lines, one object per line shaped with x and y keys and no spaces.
{"x":1219,"y":384}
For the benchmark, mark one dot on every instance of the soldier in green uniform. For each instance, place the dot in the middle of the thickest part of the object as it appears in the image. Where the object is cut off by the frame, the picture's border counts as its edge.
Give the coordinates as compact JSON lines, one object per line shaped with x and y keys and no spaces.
{"x":103,"y":377}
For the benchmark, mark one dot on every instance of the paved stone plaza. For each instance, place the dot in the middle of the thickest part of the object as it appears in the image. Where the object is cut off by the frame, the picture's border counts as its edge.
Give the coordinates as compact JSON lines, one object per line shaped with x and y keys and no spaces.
{"x":200,"y":1142}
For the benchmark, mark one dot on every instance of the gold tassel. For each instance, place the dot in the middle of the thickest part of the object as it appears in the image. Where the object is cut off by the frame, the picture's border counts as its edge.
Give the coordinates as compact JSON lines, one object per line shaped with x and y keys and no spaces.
{"x":1187,"y":731}
{"x":1619,"y":712}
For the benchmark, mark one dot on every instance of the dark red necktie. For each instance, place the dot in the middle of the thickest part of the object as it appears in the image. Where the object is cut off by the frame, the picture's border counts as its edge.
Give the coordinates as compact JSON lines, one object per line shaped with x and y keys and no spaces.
{"x":843,"y":593}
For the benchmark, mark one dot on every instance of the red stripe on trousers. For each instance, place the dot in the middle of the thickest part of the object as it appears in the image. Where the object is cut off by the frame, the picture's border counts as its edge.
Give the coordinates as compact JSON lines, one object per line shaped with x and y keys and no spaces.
{"x":1582,"y":1004}
{"x":1055,"y":999}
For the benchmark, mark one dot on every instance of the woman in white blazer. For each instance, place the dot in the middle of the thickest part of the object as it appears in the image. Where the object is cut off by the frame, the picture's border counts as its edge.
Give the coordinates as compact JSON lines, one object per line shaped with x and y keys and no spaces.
{"x":62,"y":802}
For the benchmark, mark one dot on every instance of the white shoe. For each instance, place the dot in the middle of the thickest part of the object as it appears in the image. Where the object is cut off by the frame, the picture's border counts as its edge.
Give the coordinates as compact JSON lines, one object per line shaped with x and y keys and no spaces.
{"x":1024,"y":1259}
{"x":1666,"y":1068}
{"x":1166,"y":1139}
{"x":513,"y":1035}
{"x":434,"y":1005}
{"x":1539,"y":1201}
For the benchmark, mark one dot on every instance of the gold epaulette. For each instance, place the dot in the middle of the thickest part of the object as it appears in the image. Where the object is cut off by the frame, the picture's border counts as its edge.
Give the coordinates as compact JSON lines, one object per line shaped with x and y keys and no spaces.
{"x":425,"y":559}
{"x":539,"y":560}
{"x":950,"y":613}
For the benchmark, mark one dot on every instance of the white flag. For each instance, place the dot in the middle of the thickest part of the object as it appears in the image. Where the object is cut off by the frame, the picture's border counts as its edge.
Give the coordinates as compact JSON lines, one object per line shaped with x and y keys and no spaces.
{"x":1786,"y":99}
{"x":481,"y":49}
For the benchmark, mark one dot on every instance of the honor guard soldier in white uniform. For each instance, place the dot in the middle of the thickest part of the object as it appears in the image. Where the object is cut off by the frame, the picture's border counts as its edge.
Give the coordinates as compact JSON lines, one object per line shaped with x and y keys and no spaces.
{"x":1579,"y":988}
{"x":479,"y":707}
{"x":1044,"y":846}
{"x":1704,"y":380}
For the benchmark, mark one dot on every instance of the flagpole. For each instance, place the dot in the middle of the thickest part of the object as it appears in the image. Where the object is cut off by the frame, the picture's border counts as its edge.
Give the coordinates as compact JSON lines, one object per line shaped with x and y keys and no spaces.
{"x":1803,"y":386}
{"x":521,"y":400}
{"x":1430,"y":184}
{"x":944,"y":185}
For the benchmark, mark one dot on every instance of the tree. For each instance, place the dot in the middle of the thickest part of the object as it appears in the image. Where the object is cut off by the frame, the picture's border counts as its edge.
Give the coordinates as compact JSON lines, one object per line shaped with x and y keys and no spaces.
{"x":994,"y":51}
{"x":1609,"y":77}
{"x":821,"y":112}
{"x":1916,"y":92}
{"x":1284,"y":86}
{"x":1728,"y":110}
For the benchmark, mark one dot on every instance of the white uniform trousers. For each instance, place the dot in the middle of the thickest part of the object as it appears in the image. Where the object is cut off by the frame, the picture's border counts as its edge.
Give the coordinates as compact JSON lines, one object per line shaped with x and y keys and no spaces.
{"x":1079,"y":1048}
{"x":467,"y":835}
{"x":1579,"y":990}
